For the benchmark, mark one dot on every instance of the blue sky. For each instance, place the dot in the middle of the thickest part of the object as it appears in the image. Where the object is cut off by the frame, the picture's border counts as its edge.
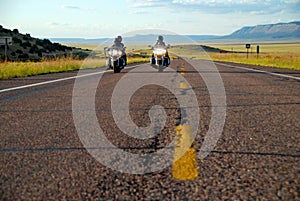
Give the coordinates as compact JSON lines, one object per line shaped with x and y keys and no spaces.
{"x":96,"y":18}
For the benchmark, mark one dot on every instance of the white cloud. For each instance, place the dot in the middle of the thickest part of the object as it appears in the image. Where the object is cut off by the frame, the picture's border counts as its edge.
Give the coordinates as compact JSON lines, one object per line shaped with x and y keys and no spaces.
{"x":254,"y":7}
{"x":70,"y":7}
{"x":257,"y":7}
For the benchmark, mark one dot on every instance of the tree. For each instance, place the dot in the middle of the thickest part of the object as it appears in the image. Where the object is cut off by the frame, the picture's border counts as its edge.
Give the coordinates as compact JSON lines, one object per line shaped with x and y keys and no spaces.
{"x":17,"y":40}
{"x":19,"y":51}
{"x":24,"y":56}
{"x":15,"y":31}
{"x":26,"y":44}
{"x":33,"y":49}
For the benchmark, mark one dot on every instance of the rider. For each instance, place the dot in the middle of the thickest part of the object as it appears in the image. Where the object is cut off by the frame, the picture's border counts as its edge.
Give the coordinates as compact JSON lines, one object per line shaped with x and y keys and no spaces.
{"x":118,"y":43}
{"x":160,"y":42}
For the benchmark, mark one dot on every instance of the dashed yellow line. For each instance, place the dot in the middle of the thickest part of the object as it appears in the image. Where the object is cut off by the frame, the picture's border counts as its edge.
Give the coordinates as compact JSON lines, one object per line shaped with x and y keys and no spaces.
{"x":183,"y":85}
{"x":185,"y":163}
{"x":182,"y":69}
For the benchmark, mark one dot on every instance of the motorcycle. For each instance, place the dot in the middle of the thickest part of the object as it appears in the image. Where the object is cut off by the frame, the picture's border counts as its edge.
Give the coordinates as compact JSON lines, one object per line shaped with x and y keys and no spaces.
{"x":160,"y":58}
{"x":115,"y":58}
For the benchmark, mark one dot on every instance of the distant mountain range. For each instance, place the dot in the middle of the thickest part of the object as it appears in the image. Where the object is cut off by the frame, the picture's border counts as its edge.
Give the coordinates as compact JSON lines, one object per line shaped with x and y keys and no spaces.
{"x":269,"y":32}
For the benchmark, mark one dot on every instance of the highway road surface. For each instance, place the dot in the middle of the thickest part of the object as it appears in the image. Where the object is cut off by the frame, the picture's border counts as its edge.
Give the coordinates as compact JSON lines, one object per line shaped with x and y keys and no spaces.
{"x":256,"y":157}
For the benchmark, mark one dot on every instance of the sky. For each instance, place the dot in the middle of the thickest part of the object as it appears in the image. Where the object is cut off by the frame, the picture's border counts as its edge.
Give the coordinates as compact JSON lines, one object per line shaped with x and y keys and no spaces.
{"x":109,"y":18}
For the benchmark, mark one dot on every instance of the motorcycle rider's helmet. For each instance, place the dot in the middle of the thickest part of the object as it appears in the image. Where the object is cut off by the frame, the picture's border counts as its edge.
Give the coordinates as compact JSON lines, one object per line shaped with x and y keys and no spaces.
{"x":119,"y":38}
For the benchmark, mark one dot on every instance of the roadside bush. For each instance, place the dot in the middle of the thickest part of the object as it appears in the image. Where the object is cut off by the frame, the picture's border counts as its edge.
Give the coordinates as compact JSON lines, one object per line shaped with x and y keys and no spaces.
{"x":17,"y":40}
{"x":33,"y":49}
{"x":15,"y":31}
{"x":19,"y":51}
{"x":80,"y":55}
{"x":23,"y":57}
{"x":26,"y":44}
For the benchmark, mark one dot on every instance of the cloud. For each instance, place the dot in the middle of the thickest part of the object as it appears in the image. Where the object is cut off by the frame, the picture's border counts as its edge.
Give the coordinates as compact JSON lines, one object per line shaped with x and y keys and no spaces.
{"x":138,"y":12}
{"x":71,"y":7}
{"x":148,"y":3}
{"x":57,"y":24}
{"x":256,"y":7}
{"x":242,"y":7}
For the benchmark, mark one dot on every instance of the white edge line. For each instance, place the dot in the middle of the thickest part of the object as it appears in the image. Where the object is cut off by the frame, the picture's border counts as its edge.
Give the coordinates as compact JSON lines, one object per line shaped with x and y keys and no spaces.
{"x":59,"y":80}
{"x":259,"y":71}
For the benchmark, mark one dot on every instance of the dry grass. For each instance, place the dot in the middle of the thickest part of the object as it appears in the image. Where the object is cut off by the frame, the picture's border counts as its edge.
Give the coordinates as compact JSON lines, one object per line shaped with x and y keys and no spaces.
{"x":23,"y":69}
{"x":278,"y":60}
{"x":273,"y":55}
{"x":264,"y":47}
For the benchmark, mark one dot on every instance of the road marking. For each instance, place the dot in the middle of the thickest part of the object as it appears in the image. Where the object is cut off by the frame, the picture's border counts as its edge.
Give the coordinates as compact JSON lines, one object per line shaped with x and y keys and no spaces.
{"x":183,"y":85}
{"x":59,"y":80}
{"x":185,"y":163}
{"x":182,"y":68}
{"x":259,"y":71}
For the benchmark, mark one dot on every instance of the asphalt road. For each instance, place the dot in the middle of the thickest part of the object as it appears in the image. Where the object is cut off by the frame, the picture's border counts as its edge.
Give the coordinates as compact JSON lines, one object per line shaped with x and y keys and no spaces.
{"x":257,"y":157}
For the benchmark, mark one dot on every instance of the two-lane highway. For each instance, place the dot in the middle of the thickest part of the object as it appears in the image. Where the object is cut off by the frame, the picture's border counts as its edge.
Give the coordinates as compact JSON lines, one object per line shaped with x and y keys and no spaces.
{"x":256,"y":157}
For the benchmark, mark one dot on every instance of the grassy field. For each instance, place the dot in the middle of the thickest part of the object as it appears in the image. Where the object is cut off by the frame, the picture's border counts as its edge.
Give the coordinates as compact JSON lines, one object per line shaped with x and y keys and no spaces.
{"x":279,"y":55}
{"x":24,"y":69}
{"x":283,"y":55}
{"x":277,"y":60}
{"x":264,"y":47}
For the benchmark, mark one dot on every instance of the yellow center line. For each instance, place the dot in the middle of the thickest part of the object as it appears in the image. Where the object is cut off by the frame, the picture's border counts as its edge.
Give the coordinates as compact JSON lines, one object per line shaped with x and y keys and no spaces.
{"x":183,"y":85}
{"x":182,"y":69}
{"x":185,"y":163}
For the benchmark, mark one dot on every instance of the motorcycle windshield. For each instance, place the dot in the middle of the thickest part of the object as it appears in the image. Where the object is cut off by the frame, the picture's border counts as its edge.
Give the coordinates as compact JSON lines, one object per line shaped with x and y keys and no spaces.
{"x":159,"y":51}
{"x":115,"y":52}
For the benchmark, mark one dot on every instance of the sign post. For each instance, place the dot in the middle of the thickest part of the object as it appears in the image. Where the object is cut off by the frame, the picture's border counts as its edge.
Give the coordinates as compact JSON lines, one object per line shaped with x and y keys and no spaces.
{"x":257,"y":51}
{"x":248,"y":46}
{"x":5,"y":40}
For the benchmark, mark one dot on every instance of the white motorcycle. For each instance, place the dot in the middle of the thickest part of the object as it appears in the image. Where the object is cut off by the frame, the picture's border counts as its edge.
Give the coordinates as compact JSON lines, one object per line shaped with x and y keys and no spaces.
{"x":115,"y":58}
{"x":160,"y":57}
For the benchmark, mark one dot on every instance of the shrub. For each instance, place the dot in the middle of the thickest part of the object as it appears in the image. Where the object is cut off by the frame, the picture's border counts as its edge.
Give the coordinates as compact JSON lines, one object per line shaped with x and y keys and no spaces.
{"x":26,"y":44}
{"x":33,"y":49}
{"x":15,"y":31}
{"x":23,"y":57}
{"x":19,"y":51}
{"x":17,"y":40}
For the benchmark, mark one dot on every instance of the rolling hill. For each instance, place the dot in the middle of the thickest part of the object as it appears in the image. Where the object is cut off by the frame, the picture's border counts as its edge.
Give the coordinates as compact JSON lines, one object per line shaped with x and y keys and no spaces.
{"x":27,"y":48}
{"x":270,"y":31}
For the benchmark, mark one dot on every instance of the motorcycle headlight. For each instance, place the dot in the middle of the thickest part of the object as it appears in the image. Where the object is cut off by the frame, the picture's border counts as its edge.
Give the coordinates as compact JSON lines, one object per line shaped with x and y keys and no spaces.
{"x":159,"y":51}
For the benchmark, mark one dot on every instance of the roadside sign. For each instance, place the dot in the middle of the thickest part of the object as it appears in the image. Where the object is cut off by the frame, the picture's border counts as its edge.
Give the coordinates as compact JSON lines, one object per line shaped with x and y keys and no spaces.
{"x":257,"y":49}
{"x":5,"y":40}
{"x":248,"y":47}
